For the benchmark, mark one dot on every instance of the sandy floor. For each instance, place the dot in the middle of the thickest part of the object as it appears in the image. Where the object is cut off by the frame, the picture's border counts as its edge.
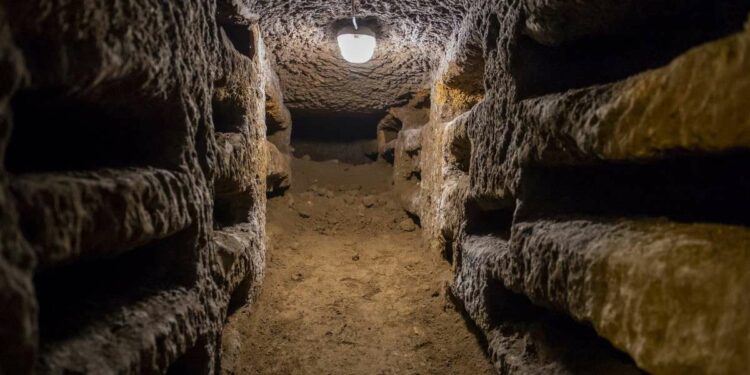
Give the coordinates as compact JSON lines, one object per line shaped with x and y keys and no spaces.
{"x":349,"y":288}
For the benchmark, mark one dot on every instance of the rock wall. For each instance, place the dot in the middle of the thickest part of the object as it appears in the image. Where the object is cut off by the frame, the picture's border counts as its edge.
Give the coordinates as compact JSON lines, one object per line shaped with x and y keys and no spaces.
{"x":132,"y":192}
{"x":584,"y":168}
{"x":405,"y":123}
{"x":278,"y":134}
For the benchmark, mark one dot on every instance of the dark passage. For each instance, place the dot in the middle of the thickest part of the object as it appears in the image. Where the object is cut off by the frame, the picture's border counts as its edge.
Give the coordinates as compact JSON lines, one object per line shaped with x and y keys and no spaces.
{"x":349,"y":138}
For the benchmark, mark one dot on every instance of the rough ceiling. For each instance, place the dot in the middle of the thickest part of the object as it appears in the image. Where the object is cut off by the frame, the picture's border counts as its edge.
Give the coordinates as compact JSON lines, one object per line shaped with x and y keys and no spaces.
{"x":300,"y":36}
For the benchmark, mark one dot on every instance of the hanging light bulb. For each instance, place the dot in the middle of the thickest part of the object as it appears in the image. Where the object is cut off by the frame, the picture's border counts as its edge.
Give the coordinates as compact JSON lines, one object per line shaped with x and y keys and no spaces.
{"x":357,"y":44}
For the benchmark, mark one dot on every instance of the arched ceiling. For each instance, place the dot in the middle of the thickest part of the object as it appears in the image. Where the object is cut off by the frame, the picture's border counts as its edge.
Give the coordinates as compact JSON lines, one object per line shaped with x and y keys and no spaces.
{"x":300,"y":37}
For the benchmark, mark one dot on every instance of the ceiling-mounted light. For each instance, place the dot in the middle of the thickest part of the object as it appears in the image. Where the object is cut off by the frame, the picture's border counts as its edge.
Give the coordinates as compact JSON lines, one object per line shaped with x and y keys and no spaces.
{"x":357,"y":44}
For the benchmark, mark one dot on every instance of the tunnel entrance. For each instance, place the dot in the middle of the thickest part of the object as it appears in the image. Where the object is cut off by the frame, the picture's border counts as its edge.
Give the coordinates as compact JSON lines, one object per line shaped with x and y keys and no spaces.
{"x":346,"y":137}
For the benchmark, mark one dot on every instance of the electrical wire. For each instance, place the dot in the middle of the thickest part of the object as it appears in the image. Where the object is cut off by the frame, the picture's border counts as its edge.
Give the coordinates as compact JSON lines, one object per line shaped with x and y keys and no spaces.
{"x":354,"y":14}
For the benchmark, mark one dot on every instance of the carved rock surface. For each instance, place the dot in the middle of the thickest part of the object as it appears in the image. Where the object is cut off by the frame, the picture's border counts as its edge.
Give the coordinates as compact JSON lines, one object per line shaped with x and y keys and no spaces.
{"x":279,"y":175}
{"x":650,"y":287}
{"x":411,"y":35}
{"x":133,"y":183}
{"x":581,"y":164}
{"x":17,"y":260}
{"x":594,"y":206}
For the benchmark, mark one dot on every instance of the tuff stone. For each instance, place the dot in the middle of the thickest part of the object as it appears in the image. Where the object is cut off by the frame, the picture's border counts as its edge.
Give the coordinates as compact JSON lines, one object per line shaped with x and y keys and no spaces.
{"x":580,"y":164}
{"x":527,"y":254}
{"x":405,"y":55}
{"x":184,"y":86}
{"x":279,"y":172}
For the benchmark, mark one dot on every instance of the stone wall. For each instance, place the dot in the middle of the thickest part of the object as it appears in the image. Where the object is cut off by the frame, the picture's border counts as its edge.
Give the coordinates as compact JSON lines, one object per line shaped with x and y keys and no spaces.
{"x":278,"y":133}
{"x":132,"y":193}
{"x":584,"y":169}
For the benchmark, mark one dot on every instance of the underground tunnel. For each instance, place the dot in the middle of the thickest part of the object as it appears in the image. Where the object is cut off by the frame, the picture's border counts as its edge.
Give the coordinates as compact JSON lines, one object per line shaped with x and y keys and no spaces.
{"x":374,"y":187}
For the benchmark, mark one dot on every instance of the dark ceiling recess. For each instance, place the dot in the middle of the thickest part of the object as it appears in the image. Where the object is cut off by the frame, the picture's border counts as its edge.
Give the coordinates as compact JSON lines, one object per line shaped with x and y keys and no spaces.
{"x":347,"y":137}
{"x":241,"y":37}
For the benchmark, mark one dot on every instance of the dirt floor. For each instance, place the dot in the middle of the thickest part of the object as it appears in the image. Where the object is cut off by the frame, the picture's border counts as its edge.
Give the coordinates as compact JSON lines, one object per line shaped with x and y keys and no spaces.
{"x":349,"y":288}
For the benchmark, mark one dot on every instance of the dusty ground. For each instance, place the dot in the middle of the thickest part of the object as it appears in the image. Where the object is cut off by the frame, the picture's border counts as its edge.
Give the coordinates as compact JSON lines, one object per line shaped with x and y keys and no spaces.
{"x":349,"y":289}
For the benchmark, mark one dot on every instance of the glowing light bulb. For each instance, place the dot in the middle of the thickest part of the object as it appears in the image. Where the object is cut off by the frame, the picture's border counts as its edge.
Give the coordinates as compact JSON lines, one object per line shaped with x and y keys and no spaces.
{"x":357,"y":46}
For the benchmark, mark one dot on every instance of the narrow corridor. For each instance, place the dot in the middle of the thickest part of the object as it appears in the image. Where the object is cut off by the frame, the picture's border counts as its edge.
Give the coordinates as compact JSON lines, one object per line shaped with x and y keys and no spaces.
{"x":206,"y":187}
{"x":348,"y":288}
